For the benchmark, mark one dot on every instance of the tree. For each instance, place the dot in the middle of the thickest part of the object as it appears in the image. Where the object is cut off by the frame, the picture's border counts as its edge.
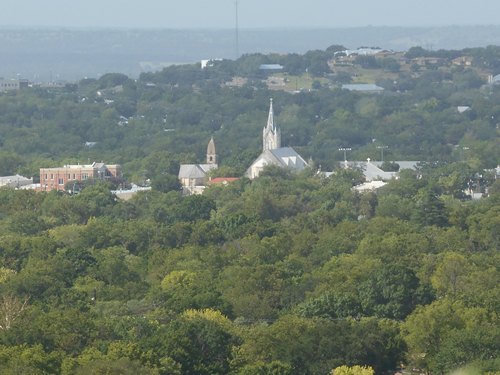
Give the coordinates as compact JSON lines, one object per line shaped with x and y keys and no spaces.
{"x":430,"y":210}
{"x":445,"y":334}
{"x":262,"y":368}
{"x":97,"y":198}
{"x":165,"y":183}
{"x":26,"y":222}
{"x":194,"y":207}
{"x":121,"y":366}
{"x":30,"y":360}
{"x":367,"y":62}
{"x":414,"y":52}
{"x":392,"y":205}
{"x":11,"y":308}
{"x":389,"y":292}
{"x":9,"y":163}
{"x":200,"y":343}
{"x":183,"y":290}
{"x":390,"y":64}
{"x":315,"y":346}
{"x":110,"y":80}
{"x":451,"y":272}
{"x":331,"y":305}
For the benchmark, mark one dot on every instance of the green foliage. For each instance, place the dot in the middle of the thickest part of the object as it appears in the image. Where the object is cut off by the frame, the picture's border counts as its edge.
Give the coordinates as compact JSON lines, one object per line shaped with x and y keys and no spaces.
{"x":389,"y":293}
{"x":330,"y":305}
{"x":199,"y":345}
{"x":23,"y":359}
{"x":284,"y":274}
{"x":166,"y":183}
{"x":446,"y":334}
{"x":430,"y":210}
{"x":261,"y":368}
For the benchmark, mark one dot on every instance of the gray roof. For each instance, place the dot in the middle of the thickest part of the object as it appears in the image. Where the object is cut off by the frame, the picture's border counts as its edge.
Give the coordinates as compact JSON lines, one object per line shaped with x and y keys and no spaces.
{"x":285,"y":157}
{"x":15,"y":180}
{"x":271,"y":67}
{"x":195,"y":170}
{"x":191,"y":171}
{"x":369,"y":186}
{"x":371,"y":169}
{"x":365,"y":87}
{"x":403,"y":164}
{"x":288,"y":157}
{"x":207,"y":167}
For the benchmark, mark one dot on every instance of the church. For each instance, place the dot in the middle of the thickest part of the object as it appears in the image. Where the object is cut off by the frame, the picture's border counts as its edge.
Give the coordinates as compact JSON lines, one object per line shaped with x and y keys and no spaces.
{"x":193,"y":177}
{"x":273,"y":153}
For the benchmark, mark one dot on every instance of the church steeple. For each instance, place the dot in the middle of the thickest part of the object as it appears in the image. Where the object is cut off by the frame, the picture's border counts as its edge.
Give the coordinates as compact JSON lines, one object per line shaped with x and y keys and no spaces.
{"x":211,"y":154}
{"x":271,"y":134}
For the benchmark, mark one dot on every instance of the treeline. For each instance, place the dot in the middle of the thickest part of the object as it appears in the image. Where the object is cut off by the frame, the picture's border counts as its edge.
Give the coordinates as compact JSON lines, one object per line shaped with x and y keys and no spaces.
{"x":170,"y":116}
{"x":483,"y":57}
{"x":287,"y":274}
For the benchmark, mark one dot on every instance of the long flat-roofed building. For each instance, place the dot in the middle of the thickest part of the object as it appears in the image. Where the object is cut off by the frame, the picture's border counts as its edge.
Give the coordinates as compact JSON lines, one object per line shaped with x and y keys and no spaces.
{"x":57,"y":178}
{"x":16,"y":181}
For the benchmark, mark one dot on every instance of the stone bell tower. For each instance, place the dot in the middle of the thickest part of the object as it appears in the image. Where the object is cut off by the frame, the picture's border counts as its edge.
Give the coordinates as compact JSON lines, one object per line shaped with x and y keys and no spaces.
{"x":211,"y":154}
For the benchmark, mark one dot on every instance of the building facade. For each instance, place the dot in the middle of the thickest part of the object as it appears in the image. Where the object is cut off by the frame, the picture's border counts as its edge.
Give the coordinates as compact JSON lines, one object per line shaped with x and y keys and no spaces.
{"x":57,"y":178}
{"x":13,"y":84}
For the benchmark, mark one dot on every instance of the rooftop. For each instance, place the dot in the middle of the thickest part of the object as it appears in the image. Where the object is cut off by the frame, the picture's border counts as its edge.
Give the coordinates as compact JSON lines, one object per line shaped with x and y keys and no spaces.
{"x":365,"y":87}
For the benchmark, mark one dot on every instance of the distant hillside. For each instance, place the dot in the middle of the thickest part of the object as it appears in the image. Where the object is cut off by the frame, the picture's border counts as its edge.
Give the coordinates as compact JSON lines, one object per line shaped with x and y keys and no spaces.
{"x":70,"y":54}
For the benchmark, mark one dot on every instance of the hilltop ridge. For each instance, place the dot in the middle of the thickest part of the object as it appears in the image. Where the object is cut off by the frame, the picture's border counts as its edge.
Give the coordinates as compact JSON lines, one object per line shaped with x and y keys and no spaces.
{"x":70,"y":54}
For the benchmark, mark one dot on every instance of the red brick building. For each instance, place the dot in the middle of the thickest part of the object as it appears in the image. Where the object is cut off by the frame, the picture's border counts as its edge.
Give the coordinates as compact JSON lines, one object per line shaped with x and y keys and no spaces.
{"x":57,"y":178}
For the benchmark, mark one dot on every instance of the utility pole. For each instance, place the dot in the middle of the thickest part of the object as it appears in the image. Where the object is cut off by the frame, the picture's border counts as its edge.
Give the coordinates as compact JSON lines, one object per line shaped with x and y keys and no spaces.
{"x":345,"y":149}
{"x":382,"y":148}
{"x":237,"y":31}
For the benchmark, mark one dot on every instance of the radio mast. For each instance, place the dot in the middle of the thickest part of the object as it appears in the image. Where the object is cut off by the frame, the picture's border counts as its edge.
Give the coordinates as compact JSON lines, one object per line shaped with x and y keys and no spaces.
{"x":237,"y":31}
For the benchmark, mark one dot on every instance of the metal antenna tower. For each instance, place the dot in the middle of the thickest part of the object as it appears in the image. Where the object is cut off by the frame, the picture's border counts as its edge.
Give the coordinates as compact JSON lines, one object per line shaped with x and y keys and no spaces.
{"x":237,"y":31}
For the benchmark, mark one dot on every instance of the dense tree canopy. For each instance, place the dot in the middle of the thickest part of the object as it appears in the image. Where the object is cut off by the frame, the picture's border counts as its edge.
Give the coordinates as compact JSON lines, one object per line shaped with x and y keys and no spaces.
{"x":285,"y":274}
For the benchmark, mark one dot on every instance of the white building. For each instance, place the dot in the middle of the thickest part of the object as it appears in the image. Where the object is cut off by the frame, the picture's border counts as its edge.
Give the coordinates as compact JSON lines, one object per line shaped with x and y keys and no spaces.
{"x":16,"y":181}
{"x":273,"y":153}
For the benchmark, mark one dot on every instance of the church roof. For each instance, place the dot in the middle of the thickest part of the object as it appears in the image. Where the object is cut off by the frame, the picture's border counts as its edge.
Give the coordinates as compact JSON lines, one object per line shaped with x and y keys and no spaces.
{"x":285,"y":157}
{"x":207,"y":167}
{"x":195,"y":170}
{"x":288,"y":157}
{"x":191,"y":171}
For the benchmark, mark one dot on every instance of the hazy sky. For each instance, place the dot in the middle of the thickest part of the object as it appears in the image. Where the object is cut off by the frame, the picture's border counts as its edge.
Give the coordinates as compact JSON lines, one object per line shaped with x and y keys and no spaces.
{"x":252,"y":13}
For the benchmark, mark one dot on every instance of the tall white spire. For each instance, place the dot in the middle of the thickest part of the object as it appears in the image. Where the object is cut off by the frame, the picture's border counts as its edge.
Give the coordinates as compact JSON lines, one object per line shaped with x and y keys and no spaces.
{"x":270,"y":118}
{"x":271,"y":134}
